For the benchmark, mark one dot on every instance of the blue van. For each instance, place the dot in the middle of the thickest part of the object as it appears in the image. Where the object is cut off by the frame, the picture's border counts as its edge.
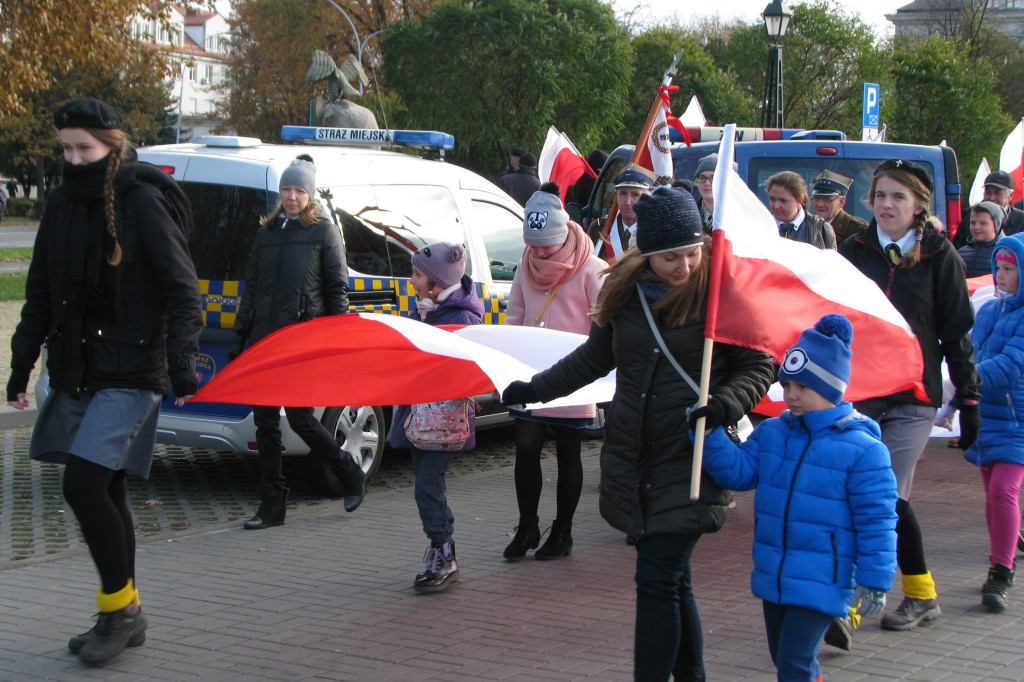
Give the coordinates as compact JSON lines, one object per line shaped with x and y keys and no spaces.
{"x":807,"y":153}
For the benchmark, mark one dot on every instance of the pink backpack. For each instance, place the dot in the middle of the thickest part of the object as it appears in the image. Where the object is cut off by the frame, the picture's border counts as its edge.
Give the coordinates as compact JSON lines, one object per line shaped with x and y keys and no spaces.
{"x":446,"y":426}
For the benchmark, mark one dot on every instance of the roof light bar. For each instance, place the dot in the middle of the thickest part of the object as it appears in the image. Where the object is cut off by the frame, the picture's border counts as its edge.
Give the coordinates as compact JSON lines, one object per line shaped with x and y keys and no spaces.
{"x":422,"y":139}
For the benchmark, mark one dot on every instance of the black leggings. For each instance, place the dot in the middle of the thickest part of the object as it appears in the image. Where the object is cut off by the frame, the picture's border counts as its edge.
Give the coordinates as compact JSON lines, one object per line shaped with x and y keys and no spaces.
{"x":909,"y":544}
{"x":530,"y":480}
{"x":99,"y":498}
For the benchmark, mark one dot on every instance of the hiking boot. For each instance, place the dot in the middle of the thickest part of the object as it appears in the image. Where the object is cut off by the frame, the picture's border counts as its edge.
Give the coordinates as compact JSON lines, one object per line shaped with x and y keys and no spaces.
{"x":840,"y":633}
{"x":558,"y":544}
{"x":113,"y":632}
{"x":911,"y":613}
{"x":351,"y":476}
{"x":997,"y":588}
{"x":527,"y":537}
{"x":271,"y":509}
{"x":76,"y":643}
{"x":441,"y":568}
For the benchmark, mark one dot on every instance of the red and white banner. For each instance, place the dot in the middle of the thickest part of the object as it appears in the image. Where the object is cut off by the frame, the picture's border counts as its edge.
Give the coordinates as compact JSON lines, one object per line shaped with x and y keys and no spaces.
{"x":1011,"y":159}
{"x":977,"y":192}
{"x":765,"y":290}
{"x":561,"y":163}
{"x":377,"y":359}
{"x":656,"y":152}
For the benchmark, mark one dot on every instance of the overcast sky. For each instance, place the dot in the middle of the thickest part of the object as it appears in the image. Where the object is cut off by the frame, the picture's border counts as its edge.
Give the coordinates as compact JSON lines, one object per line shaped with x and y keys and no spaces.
{"x":872,"y":12}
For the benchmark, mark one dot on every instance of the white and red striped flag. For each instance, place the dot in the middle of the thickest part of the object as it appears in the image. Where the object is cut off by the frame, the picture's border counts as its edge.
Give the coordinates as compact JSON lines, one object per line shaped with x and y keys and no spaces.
{"x":561,"y":163}
{"x":765,"y":290}
{"x":1011,"y":159}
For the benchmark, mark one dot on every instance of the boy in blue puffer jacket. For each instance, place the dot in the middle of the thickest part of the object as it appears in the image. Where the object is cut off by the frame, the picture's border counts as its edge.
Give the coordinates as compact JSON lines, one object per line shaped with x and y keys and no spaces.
{"x":998,"y":337}
{"x":825,"y":533}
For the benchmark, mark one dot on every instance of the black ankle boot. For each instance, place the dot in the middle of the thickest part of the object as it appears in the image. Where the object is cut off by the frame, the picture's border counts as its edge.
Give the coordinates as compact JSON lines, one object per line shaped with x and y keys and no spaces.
{"x":997,"y":588}
{"x":271,"y":510}
{"x":527,"y":537}
{"x":352,"y":477}
{"x":558,"y":544}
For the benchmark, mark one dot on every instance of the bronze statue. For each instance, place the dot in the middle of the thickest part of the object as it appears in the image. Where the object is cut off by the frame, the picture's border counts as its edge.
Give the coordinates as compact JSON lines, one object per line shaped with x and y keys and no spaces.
{"x":339,"y":112}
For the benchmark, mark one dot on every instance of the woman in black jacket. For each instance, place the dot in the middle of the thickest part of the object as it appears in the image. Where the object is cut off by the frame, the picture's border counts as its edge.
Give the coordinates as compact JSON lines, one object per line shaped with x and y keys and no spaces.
{"x":296,"y":272}
{"x":906,"y":253}
{"x":647,"y":455}
{"x":113,"y":293}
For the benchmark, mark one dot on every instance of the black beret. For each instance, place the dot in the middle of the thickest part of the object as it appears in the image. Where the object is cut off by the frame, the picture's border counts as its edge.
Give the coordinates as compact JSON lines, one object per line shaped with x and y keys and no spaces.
{"x":909,"y":166}
{"x":87,"y":113}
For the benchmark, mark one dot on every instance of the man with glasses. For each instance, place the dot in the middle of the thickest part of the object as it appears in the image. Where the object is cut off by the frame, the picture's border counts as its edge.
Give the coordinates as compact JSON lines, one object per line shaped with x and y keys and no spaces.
{"x":704,"y":176}
{"x":829,"y":199}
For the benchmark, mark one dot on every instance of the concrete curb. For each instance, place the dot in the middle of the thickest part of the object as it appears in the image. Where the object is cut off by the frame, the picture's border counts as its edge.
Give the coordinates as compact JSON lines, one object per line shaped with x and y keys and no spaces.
{"x":11,"y":418}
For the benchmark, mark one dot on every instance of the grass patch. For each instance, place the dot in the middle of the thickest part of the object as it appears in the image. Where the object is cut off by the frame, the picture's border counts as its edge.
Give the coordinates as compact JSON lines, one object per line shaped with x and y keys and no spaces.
{"x":15,"y":254}
{"x":12,"y":285}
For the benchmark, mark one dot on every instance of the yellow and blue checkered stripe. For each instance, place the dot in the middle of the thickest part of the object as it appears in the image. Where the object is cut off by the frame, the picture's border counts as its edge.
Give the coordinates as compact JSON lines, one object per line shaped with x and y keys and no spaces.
{"x":221,"y":299}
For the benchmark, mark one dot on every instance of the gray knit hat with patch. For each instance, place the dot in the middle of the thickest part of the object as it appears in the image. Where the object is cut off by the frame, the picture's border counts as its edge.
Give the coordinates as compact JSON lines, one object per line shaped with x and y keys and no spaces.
{"x":302,"y":174}
{"x":546,"y":222}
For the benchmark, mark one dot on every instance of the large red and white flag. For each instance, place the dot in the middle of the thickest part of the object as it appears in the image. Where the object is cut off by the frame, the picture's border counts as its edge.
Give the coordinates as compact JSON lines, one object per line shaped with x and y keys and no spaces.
{"x":765,"y":290}
{"x":1011,"y":159}
{"x":561,"y":163}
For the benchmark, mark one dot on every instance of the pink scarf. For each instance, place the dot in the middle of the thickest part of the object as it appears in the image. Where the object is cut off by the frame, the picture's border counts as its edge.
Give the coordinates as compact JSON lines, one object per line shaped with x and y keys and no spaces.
{"x":544,"y":273}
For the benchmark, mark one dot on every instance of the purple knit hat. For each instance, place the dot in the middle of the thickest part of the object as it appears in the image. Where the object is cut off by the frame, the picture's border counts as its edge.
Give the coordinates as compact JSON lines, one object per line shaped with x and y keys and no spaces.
{"x":442,"y":262}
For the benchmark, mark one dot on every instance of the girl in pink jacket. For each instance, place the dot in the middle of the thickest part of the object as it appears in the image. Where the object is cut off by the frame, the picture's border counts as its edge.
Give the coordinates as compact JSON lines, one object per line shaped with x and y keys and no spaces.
{"x":556,"y":286}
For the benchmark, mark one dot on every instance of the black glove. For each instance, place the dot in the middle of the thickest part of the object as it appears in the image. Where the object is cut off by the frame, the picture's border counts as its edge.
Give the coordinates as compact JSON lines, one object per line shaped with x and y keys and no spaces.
{"x":17,"y":383}
{"x":184,"y":382}
{"x":713,"y":413}
{"x":519,"y":393}
{"x":234,"y":350}
{"x":970,"y":423}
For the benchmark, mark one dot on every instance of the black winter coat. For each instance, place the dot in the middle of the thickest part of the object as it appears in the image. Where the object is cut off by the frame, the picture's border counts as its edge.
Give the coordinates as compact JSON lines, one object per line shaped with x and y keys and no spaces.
{"x":647,"y":454}
{"x":295,"y":274}
{"x":156,"y":330}
{"x":932,"y":296}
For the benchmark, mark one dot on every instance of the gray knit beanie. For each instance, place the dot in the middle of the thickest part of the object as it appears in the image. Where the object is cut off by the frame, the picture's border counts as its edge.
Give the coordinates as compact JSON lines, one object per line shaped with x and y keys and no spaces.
{"x":667,"y":219}
{"x":300,"y":174}
{"x":546,"y":223}
{"x":443,"y":263}
{"x":709,"y":163}
{"x":995,"y":210}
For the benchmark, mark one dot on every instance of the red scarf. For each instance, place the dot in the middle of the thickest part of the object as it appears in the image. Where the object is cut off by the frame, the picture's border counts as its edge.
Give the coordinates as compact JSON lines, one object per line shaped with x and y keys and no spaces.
{"x":544,"y":273}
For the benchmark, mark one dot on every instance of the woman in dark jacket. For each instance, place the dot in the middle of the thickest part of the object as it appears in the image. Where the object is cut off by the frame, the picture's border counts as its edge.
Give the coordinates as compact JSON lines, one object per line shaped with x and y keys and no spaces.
{"x":296,"y":272}
{"x":647,"y":455}
{"x":905,"y":253}
{"x":113,"y":293}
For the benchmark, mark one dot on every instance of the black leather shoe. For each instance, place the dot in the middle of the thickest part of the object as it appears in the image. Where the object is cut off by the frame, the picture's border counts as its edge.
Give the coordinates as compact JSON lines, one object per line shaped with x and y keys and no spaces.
{"x":527,"y":537}
{"x":257,"y":523}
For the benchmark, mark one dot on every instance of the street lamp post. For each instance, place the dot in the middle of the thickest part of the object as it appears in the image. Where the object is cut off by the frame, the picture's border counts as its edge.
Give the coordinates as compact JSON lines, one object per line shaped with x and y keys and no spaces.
{"x":776,"y":20}
{"x":360,"y":44}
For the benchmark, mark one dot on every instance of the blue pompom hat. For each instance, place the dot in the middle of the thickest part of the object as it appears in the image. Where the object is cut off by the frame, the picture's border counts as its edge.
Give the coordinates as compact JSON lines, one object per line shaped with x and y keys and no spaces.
{"x":821,"y":358}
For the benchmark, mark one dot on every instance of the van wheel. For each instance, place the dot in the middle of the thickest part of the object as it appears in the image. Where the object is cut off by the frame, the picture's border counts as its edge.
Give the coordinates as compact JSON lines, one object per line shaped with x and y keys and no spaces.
{"x":358,"y":431}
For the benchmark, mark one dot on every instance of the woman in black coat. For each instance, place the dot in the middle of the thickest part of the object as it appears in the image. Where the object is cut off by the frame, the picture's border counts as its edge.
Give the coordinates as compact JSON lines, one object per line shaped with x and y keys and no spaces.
{"x":113,"y":293}
{"x":296,"y":272}
{"x":647,"y":456}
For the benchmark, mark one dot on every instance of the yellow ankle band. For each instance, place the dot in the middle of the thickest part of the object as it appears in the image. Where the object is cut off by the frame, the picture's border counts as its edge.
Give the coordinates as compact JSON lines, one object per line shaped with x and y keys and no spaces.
{"x":118,"y":600}
{"x":854,"y":617}
{"x":919,"y":586}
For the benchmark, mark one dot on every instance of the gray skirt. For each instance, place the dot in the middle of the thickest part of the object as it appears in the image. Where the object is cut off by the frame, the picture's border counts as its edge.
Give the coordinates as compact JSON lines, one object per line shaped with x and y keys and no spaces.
{"x":114,"y":427}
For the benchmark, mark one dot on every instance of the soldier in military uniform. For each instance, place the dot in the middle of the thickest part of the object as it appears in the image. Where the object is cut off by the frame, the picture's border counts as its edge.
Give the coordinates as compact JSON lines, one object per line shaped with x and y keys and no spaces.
{"x":829,"y":198}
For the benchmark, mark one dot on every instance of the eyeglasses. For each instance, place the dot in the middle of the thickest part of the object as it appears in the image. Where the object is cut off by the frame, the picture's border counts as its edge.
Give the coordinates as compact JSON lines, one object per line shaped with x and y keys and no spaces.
{"x":705,"y":179}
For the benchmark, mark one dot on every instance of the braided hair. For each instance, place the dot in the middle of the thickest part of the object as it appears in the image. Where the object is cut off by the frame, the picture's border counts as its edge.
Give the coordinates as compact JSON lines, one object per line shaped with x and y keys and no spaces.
{"x":119,"y":147}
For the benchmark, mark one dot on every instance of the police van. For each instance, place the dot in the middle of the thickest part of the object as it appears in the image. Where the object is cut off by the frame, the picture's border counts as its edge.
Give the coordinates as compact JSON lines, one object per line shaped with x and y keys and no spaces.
{"x":808,"y":153}
{"x":386,"y":203}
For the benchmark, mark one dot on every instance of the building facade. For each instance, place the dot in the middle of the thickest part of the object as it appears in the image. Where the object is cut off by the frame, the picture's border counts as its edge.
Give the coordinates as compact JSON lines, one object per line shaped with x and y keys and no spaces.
{"x":923,"y":18}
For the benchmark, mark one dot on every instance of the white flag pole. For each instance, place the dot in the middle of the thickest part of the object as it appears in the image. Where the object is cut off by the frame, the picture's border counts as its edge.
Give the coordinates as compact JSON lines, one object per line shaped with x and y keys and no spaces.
{"x":698,"y":439}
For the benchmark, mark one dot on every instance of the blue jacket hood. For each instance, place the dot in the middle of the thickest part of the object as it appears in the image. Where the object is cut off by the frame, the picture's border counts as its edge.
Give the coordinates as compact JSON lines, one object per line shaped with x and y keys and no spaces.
{"x":842,"y":417}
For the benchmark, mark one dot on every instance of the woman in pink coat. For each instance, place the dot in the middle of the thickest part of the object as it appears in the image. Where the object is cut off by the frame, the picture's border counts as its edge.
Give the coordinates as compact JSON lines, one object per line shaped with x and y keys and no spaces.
{"x":556,"y":286}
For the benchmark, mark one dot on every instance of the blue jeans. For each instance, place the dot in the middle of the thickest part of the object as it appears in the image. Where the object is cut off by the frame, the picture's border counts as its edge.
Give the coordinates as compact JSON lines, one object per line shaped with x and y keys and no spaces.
{"x":794,"y":640}
{"x":435,"y":514}
{"x":669,"y":639}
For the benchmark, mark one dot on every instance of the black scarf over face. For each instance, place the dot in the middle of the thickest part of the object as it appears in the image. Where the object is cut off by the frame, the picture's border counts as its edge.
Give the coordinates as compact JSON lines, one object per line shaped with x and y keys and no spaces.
{"x":97,"y":280}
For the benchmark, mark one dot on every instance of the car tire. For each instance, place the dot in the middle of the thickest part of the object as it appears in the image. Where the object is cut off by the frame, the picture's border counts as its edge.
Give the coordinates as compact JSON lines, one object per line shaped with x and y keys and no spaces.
{"x":360,"y":432}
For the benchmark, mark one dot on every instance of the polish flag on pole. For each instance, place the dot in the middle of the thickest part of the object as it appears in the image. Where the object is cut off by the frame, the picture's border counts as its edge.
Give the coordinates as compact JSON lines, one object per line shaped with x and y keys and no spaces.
{"x":978,"y":186}
{"x":755,"y":275}
{"x":1011,"y":159}
{"x":694,"y":114}
{"x":561,"y":163}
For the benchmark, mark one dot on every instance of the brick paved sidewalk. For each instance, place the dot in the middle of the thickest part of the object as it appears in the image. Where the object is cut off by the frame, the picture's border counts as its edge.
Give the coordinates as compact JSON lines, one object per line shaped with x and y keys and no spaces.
{"x":328,"y":596}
